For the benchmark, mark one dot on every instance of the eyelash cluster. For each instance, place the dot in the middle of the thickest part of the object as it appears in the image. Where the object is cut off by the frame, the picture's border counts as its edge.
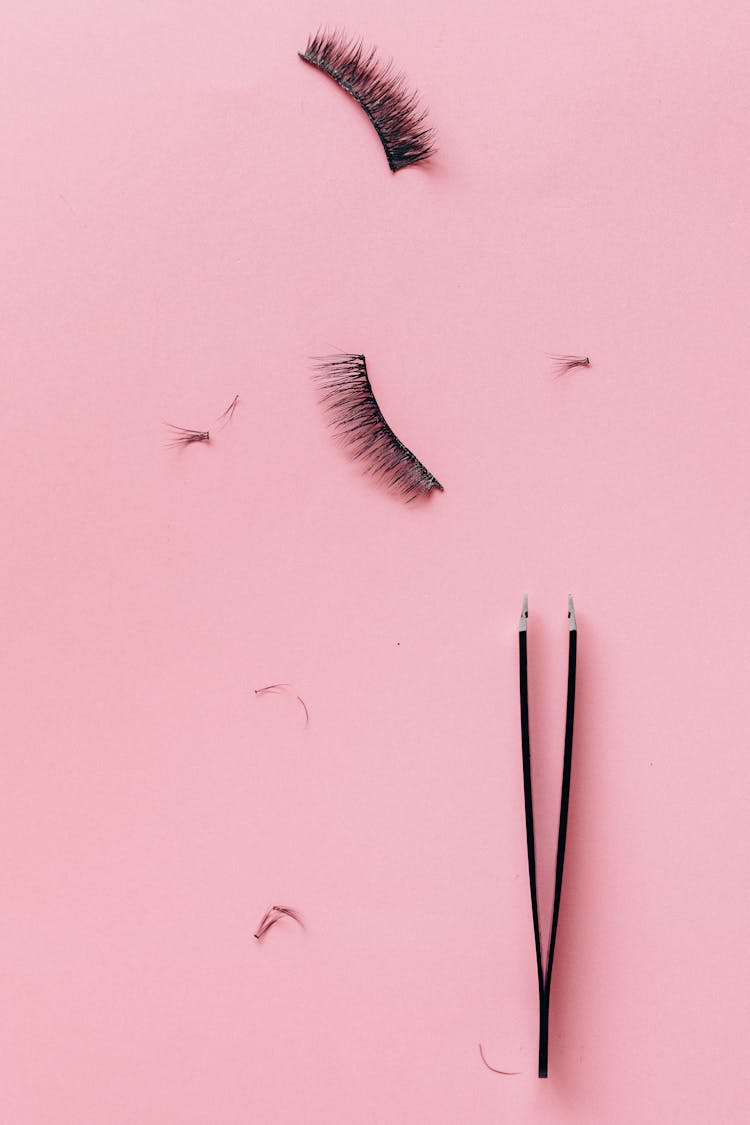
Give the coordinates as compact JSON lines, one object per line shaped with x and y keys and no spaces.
{"x":273,"y":915}
{"x":183,"y":436}
{"x":381,"y":91}
{"x":565,"y":363}
{"x":358,"y":422}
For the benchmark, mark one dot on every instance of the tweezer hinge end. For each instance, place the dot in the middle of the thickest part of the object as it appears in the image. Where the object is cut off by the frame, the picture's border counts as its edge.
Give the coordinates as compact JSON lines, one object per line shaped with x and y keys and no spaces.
{"x":571,"y":614}
{"x":524,"y":614}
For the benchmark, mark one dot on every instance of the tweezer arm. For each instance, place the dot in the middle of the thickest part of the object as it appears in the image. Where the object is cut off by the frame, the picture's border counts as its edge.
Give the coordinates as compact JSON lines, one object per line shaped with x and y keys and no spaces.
{"x":545,"y":978}
{"x":529,"y":806}
{"x":565,"y":794}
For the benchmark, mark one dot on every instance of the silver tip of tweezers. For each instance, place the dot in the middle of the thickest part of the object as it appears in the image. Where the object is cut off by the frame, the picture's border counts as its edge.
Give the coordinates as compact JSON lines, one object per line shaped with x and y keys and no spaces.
{"x":523,"y":623}
{"x":571,"y":615}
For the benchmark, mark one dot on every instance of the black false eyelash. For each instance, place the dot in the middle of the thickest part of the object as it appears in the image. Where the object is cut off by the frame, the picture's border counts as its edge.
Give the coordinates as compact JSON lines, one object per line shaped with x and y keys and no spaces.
{"x":565,"y":363}
{"x":273,"y":915}
{"x":358,"y":422}
{"x":382,"y":92}
{"x":181,"y":436}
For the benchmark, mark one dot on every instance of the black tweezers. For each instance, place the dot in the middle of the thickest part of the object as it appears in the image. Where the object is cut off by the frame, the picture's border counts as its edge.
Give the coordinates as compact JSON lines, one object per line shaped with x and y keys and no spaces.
{"x":545,"y":978}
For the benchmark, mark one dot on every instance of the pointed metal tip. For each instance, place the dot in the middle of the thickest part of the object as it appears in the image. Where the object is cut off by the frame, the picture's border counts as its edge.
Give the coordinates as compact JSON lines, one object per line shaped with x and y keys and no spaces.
{"x":571,"y":615}
{"x":522,"y":625}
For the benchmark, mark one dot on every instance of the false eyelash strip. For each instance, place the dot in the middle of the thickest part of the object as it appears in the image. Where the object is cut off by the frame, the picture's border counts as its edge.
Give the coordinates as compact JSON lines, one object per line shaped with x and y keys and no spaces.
{"x":358,"y":423}
{"x":381,"y":91}
{"x":544,"y":975}
{"x":565,"y":363}
{"x":273,"y":915}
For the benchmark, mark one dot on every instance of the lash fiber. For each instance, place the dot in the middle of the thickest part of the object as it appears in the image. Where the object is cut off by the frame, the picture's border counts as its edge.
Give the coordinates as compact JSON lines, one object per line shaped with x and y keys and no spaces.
{"x":228,"y":414}
{"x":494,"y":1069}
{"x":285,"y":689}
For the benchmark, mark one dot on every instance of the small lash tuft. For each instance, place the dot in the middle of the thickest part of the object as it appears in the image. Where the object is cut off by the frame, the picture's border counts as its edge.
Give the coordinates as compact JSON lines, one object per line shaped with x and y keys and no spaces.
{"x":358,"y":422}
{"x":183,"y":436}
{"x":565,"y":363}
{"x":273,"y":915}
{"x":382,"y":91}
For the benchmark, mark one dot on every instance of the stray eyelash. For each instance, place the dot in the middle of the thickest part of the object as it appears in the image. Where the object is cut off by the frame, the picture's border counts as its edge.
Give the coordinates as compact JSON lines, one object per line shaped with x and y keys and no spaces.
{"x":382,"y":92}
{"x":181,"y":436}
{"x":304,"y":708}
{"x":358,"y":422}
{"x":229,"y":412}
{"x":273,"y":915}
{"x":494,"y":1069}
{"x":279,"y":689}
{"x":565,"y":363}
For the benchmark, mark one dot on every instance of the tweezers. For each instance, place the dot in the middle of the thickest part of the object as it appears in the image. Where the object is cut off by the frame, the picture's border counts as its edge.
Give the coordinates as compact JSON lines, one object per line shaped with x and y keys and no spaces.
{"x":545,"y":976}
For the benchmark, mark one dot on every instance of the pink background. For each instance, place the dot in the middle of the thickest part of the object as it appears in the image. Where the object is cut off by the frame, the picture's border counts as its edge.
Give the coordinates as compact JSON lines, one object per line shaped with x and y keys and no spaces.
{"x":188,"y":213}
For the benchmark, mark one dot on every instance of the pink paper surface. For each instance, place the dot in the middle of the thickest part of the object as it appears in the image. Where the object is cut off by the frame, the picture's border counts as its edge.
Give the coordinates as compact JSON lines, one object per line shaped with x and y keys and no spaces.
{"x":189,"y":213}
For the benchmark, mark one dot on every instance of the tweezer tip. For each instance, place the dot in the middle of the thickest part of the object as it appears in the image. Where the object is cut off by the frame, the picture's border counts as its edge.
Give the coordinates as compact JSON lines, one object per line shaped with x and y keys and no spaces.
{"x":571,"y":614}
{"x":522,"y":625}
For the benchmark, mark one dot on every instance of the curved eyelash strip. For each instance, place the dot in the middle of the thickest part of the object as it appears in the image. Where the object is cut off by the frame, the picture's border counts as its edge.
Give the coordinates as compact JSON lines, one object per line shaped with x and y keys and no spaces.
{"x":382,"y":92}
{"x":358,"y":422}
